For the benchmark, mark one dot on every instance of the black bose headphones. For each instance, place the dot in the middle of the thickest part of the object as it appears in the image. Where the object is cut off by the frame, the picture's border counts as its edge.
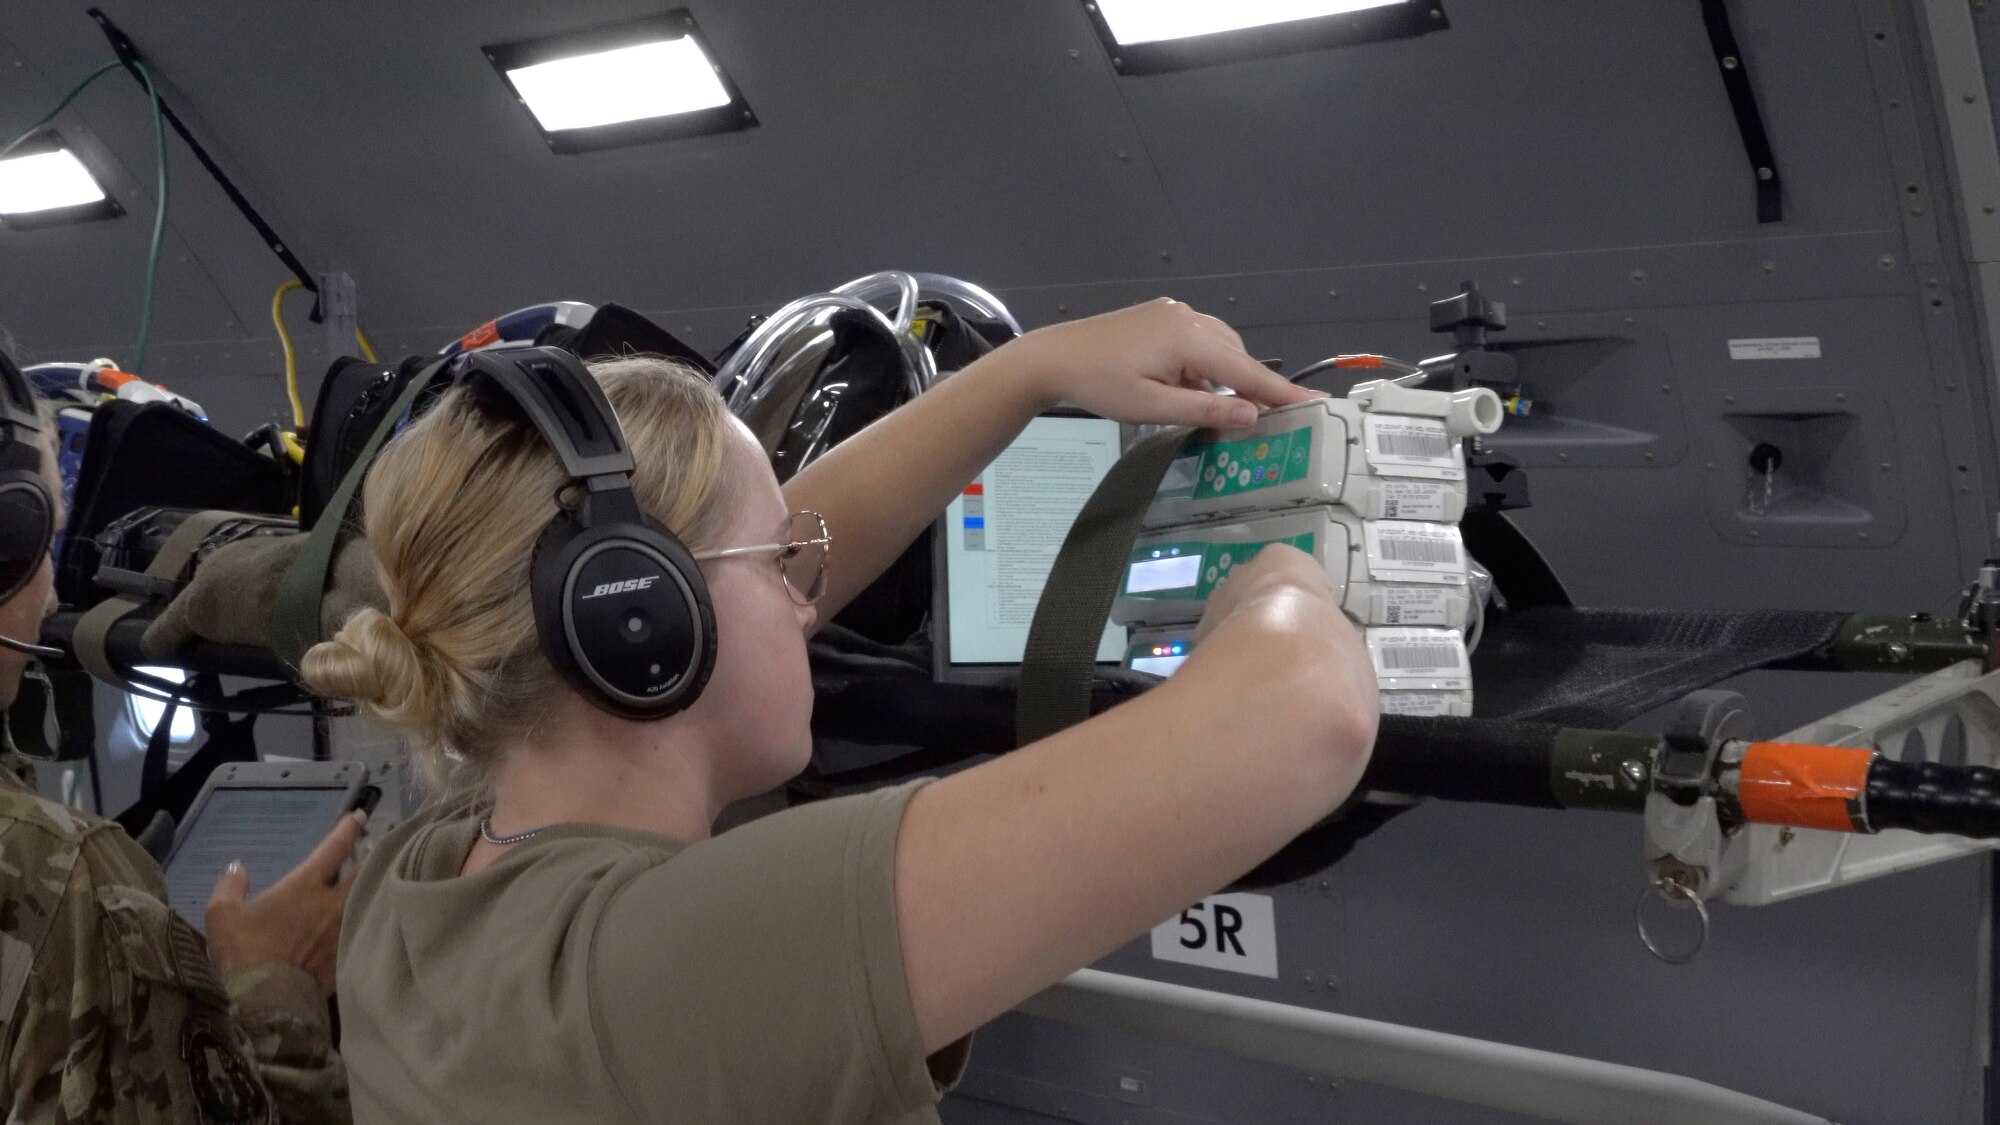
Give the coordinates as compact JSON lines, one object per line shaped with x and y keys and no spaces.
{"x":620,"y":607}
{"x":27,"y":510}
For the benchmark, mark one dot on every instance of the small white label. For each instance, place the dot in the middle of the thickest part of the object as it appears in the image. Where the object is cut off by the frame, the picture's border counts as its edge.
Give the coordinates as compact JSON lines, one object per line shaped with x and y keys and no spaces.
{"x":1412,"y":500}
{"x":1234,"y":933}
{"x":1775,"y":347}
{"x":1422,"y":703}
{"x":1419,"y":659}
{"x":1402,"y":605}
{"x":1407,"y":551}
{"x":1412,"y":447}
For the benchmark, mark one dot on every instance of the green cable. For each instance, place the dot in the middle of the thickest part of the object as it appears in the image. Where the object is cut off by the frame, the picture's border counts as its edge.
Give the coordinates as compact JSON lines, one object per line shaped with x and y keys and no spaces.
{"x":159,"y":222}
{"x":160,"y":204}
{"x":60,"y":106}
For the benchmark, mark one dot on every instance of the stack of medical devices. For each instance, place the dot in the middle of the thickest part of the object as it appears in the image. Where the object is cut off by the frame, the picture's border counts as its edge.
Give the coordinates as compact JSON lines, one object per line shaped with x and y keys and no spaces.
{"x":1372,"y":486}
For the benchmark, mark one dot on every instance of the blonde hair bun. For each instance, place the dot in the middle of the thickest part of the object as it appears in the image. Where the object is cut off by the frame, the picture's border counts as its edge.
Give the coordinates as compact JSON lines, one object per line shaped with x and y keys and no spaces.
{"x":370,"y":661}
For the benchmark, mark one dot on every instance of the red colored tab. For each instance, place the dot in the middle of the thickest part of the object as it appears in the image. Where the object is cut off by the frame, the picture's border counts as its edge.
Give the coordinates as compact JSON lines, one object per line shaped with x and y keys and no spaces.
{"x":975,"y":489}
{"x":1806,"y":786}
{"x":481,"y":336}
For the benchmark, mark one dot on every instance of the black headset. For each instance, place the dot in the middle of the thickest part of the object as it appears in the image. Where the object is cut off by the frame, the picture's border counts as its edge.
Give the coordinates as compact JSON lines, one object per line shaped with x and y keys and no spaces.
{"x":620,"y":606}
{"x":27,"y":510}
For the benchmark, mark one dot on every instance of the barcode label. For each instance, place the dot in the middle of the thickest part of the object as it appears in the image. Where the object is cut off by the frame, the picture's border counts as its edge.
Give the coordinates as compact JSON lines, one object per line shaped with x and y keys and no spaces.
{"x":1409,"y":551}
{"x":1419,"y":550}
{"x":1411,"y":447}
{"x":1419,"y":659}
{"x":1412,"y":500}
{"x":1429,"y":446}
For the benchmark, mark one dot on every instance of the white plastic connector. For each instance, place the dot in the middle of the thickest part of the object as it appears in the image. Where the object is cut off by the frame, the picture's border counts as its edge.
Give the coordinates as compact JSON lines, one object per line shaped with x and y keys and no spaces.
{"x":140,"y":391}
{"x":1475,"y":410}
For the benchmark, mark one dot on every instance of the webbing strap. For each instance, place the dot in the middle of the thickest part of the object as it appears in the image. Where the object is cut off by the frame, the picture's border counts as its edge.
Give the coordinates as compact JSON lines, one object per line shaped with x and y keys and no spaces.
{"x":27,"y":717}
{"x":295,"y":615}
{"x":1061,"y":656}
{"x":65,"y":697}
{"x":91,"y":642}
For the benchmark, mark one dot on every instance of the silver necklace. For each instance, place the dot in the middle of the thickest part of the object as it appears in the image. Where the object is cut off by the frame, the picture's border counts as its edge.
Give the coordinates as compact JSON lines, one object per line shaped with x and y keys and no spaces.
{"x":486,"y":833}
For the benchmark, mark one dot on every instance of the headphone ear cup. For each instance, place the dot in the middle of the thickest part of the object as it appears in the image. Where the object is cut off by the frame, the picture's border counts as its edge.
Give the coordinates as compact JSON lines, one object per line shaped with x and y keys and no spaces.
{"x":624,"y":615}
{"x":27,"y":528}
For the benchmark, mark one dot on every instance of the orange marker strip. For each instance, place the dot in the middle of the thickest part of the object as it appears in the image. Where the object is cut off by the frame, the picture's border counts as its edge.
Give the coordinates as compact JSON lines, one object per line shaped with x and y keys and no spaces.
{"x":480,"y":336}
{"x":1801,"y":785}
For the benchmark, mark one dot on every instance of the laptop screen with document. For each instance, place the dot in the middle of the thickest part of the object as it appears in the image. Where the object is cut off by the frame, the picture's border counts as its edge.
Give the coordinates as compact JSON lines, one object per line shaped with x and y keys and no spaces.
{"x":1000,"y":537}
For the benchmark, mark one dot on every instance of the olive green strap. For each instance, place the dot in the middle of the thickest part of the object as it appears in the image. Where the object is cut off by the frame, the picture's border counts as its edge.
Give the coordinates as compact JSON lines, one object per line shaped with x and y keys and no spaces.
{"x":295,"y":615}
{"x":1061,"y":656}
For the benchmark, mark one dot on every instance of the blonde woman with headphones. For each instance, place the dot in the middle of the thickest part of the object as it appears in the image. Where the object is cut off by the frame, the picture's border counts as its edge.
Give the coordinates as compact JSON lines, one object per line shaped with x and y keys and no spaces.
{"x":572,"y":942}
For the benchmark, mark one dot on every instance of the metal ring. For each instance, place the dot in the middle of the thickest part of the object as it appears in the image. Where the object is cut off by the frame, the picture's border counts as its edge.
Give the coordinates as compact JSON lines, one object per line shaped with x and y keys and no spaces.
{"x":1674,"y":892}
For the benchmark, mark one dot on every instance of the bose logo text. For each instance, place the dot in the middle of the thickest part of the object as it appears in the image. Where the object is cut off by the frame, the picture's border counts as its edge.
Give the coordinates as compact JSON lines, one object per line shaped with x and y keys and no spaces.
{"x":625,"y":587}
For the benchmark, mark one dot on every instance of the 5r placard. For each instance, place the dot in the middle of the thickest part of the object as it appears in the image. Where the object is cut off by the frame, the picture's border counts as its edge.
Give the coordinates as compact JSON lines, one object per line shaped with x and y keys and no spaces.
{"x":1235,"y":933}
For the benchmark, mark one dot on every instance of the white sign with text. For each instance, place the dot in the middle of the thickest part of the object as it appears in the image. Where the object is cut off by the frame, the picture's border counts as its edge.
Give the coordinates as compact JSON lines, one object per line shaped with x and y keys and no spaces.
{"x":1234,"y":933}
{"x":1775,"y":347}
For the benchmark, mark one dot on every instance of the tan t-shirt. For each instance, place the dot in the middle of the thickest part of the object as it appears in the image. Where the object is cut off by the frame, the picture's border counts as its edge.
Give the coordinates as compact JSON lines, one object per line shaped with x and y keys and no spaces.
{"x":603,"y":974}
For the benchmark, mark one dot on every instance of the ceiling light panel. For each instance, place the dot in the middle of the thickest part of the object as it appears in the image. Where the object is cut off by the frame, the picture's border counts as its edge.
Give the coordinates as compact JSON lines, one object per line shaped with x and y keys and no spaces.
{"x":42,"y":182}
{"x":1153,"y":21}
{"x":622,"y":84}
{"x":627,"y":83}
{"x":1151,"y":36}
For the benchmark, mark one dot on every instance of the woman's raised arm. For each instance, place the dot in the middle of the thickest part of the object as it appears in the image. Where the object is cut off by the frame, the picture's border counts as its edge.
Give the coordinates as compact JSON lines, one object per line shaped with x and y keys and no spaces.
{"x":1149,"y":364}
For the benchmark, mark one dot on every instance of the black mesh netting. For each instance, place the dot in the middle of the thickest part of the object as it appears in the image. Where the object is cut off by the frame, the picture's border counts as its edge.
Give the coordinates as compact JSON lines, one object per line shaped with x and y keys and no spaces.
{"x":1603,"y":668}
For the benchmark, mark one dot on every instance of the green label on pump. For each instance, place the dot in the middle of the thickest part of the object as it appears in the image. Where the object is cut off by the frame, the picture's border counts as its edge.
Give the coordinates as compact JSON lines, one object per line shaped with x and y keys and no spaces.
{"x":1229,"y":468}
{"x":1188,"y":571}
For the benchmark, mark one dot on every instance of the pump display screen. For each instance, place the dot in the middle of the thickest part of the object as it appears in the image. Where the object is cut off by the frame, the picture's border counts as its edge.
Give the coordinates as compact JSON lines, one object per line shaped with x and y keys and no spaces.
{"x":1163,"y":574}
{"x":1002,"y":533}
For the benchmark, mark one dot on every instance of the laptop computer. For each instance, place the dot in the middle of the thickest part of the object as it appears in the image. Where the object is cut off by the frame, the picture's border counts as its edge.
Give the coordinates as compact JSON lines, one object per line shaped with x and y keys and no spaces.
{"x":999,"y":537}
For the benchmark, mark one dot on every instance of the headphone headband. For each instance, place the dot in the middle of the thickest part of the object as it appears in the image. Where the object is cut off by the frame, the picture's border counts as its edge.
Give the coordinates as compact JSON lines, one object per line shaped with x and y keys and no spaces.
{"x":563,"y":402}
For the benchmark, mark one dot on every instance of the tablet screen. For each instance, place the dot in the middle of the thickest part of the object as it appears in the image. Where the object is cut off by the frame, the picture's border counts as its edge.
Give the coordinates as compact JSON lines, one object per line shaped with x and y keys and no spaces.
{"x":270,"y":830}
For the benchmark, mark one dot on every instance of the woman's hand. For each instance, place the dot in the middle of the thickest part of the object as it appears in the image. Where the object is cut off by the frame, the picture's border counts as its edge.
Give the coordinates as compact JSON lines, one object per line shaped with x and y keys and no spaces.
{"x":1159,"y":363}
{"x":296,"y":921}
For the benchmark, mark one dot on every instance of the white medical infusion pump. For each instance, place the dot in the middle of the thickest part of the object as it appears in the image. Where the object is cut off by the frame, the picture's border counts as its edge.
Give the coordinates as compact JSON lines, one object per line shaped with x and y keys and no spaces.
{"x":1371,"y":486}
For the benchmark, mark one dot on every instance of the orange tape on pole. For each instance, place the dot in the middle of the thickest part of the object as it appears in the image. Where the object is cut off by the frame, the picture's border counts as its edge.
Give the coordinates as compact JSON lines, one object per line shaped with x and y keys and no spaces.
{"x":1806,"y":786}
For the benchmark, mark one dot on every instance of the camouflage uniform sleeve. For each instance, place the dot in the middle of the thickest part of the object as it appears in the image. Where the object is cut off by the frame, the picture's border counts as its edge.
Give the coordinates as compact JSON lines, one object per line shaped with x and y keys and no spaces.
{"x":121,"y":1018}
{"x":284,"y":1014}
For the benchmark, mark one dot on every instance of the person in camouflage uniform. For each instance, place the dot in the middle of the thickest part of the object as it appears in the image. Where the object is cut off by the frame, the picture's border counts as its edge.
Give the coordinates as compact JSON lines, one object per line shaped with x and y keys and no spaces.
{"x":111,"y":1008}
